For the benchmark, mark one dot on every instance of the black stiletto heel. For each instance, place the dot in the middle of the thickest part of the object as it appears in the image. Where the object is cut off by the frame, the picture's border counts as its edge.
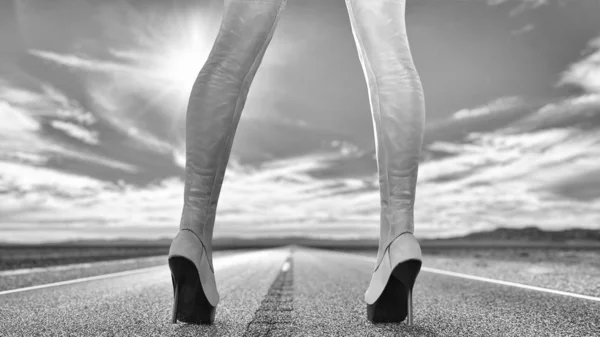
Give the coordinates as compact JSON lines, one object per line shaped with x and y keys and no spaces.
{"x":409,"y":309}
{"x":176,"y":298}
{"x":395,"y":302}
{"x":190,"y":305}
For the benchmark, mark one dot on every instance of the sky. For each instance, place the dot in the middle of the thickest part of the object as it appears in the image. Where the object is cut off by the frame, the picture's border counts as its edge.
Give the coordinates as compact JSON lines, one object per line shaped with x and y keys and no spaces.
{"x":93,"y":96}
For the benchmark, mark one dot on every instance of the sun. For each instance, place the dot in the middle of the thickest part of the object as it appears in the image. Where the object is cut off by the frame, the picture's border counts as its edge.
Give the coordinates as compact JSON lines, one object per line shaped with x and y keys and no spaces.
{"x":182,"y":65}
{"x":169,"y":54}
{"x":180,"y":45}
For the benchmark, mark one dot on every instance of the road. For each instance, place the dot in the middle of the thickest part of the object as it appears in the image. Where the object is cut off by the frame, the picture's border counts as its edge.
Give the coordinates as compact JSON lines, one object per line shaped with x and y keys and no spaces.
{"x":292,"y":291}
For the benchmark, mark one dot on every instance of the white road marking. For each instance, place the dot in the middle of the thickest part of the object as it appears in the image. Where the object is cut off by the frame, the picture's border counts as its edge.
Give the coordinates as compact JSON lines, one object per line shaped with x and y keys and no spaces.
{"x":85,"y":265}
{"x":83,"y":279}
{"x":220,"y":262}
{"x":491,"y":280}
{"x":511,"y":284}
{"x":235,"y":258}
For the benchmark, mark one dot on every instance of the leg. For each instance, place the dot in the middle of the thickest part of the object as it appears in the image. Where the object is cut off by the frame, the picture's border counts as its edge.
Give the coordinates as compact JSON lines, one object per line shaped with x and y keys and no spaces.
{"x":398,"y":110}
{"x":397,"y":106}
{"x":216,"y":102}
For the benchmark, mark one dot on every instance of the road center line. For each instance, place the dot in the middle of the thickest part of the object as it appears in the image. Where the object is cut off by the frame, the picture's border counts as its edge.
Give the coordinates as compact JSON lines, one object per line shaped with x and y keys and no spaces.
{"x":506,"y":283}
{"x":274,"y":315}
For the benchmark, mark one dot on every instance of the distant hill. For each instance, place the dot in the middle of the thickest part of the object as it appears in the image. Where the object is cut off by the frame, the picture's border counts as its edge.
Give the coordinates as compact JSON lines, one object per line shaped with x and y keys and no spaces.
{"x":534,"y":234}
{"x":501,"y":237}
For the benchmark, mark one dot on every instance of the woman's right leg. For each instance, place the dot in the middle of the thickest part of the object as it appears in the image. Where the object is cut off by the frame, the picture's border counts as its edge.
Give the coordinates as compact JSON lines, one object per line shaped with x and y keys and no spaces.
{"x":216,"y":102}
{"x":398,"y":109}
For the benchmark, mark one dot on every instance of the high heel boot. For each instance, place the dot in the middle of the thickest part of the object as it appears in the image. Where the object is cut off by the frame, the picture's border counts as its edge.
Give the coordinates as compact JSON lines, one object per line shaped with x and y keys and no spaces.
{"x":398,"y":109}
{"x":389,"y":296}
{"x":216,"y":102}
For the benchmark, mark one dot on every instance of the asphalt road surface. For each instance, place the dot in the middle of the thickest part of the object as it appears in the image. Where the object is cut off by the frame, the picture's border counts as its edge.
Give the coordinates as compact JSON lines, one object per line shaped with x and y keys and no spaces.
{"x":292,"y":291}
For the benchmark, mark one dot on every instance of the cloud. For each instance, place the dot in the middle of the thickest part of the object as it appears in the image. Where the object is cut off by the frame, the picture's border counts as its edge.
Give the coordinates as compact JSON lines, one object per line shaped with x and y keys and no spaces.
{"x":489,"y":176}
{"x":526,"y":28}
{"x":577,"y":111}
{"x":521,"y":5}
{"x":81,"y":62}
{"x":44,"y":199}
{"x":585,"y":73}
{"x":25,"y":137}
{"x":65,"y":201}
{"x":501,"y":180}
{"x":16,"y":120}
{"x":46,"y":102}
{"x":499,"y":105}
{"x":76,"y":131}
{"x":521,"y":170}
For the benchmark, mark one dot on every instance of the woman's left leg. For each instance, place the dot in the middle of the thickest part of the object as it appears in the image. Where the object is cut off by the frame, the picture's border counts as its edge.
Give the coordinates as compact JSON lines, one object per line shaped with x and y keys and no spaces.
{"x":215,"y":106}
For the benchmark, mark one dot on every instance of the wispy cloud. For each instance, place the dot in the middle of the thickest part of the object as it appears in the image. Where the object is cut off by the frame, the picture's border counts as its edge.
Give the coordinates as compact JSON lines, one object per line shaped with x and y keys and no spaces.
{"x":26,"y":138}
{"x":526,"y":28}
{"x":586,"y":72}
{"x":82,"y":62}
{"x":520,"y":5}
{"x":76,"y":131}
{"x":500,"y":105}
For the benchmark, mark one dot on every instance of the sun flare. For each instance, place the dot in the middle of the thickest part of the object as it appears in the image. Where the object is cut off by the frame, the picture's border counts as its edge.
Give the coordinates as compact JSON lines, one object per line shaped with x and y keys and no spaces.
{"x":170,"y":53}
{"x":182,"y":63}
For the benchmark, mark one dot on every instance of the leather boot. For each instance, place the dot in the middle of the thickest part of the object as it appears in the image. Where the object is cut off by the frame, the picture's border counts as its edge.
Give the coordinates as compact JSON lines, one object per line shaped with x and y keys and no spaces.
{"x":214,"y":109}
{"x":398,"y":110}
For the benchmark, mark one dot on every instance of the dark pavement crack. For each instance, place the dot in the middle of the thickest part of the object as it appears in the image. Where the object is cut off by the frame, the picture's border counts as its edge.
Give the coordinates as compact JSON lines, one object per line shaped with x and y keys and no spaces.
{"x":274,"y":315}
